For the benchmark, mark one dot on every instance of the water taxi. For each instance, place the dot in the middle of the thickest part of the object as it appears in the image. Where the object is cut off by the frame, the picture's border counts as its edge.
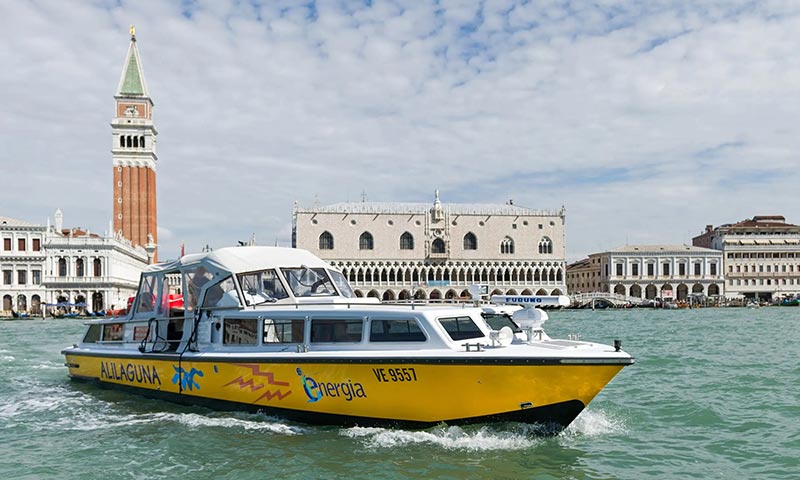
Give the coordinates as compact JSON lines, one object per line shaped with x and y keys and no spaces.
{"x":279,"y":331}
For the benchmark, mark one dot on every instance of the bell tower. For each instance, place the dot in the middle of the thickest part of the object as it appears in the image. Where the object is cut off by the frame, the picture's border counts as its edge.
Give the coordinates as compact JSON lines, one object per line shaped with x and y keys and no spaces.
{"x":134,"y":155}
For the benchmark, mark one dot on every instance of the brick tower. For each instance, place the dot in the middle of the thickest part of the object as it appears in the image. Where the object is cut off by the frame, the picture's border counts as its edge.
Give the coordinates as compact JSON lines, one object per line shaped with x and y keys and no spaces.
{"x":134,"y":155}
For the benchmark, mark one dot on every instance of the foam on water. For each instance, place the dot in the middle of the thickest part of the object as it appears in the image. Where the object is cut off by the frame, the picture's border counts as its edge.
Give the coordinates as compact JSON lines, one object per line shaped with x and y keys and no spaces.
{"x":7,"y":358}
{"x":268,"y":424}
{"x":592,"y":423}
{"x":449,"y":438}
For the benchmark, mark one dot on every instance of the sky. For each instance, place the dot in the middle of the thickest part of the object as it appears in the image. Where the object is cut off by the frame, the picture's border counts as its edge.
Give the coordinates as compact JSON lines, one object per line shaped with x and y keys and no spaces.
{"x":645,"y":120}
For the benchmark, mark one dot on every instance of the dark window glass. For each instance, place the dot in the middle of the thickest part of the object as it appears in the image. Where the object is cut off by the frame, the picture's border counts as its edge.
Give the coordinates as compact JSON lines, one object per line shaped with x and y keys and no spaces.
{"x":497,"y":321}
{"x":461,"y":328}
{"x":395,"y":331}
{"x":327,"y":331}
{"x":37,"y":245}
{"x":92,"y":335}
{"x":437,"y":246}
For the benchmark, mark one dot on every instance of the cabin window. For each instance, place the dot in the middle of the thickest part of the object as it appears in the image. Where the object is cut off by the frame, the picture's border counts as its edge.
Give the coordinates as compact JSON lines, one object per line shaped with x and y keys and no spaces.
{"x":146,"y":302}
{"x":241,"y":331}
{"x":223,"y":294}
{"x":112,"y":332}
{"x":395,"y":331}
{"x":92,"y":335}
{"x":341,"y":284}
{"x":332,"y":331}
{"x":195,"y":280}
{"x":261,"y":287}
{"x":284,"y":331}
{"x":461,"y":328}
{"x":308,"y":282}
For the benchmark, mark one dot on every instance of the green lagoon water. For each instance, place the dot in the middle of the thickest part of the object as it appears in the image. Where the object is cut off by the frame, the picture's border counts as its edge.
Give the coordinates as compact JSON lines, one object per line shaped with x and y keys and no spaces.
{"x":715,"y":393}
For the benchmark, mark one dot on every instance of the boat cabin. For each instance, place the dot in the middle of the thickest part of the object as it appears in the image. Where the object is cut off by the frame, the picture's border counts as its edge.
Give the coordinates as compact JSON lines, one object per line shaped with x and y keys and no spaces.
{"x":271,"y":299}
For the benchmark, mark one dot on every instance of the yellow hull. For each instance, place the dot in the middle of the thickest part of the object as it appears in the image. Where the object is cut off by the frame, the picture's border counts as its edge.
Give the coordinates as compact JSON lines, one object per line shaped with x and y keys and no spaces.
{"x":350,"y":391}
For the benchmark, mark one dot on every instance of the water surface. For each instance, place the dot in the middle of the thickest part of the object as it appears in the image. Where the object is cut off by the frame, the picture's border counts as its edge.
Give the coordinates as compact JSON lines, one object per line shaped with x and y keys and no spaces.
{"x":714,"y":394}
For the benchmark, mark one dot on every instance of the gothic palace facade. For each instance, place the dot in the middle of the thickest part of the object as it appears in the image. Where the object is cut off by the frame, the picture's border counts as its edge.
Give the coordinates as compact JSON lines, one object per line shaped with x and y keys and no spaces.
{"x":395,"y":251}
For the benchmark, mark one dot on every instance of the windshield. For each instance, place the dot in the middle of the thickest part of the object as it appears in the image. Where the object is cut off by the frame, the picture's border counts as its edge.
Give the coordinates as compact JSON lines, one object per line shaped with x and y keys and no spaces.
{"x":261,"y":287}
{"x":496,"y":321}
{"x":341,"y":284}
{"x":308,"y":282}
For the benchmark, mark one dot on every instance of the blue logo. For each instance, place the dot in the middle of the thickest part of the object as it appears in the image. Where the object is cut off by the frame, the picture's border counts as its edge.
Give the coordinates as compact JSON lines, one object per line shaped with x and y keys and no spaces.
{"x":316,"y":390}
{"x":186,"y":379}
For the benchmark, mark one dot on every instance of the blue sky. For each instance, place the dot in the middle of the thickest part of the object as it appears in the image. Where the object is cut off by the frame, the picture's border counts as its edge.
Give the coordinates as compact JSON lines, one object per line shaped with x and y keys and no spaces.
{"x":646,"y":120}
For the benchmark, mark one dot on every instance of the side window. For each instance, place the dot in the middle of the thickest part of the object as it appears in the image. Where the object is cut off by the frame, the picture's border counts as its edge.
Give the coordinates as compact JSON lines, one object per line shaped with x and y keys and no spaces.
{"x":395,"y":331}
{"x":284,"y":331}
{"x":461,"y":328}
{"x":146,"y":302}
{"x":112,"y":332}
{"x":336,"y":331}
{"x":92,"y":335}
{"x":240,"y":331}
{"x":195,"y":280}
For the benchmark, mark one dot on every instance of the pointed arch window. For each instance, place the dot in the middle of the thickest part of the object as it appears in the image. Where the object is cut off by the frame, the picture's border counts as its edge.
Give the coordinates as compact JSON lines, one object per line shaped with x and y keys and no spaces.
{"x":545,"y":245}
{"x":365,"y":241}
{"x":470,"y":241}
{"x":326,"y":241}
{"x":507,"y":246}
{"x":406,"y":241}
{"x":437,"y":246}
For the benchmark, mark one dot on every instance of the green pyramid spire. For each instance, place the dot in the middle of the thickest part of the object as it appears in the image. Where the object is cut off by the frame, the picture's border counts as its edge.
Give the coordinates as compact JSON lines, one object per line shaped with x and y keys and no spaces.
{"x":132,"y":84}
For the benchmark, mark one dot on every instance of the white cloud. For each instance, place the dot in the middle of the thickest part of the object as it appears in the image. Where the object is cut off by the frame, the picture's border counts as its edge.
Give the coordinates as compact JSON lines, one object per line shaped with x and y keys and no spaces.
{"x":647,"y":120}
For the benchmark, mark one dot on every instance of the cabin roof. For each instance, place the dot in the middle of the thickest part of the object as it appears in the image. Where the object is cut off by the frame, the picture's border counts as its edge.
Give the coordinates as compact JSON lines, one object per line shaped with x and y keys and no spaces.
{"x":243,"y":259}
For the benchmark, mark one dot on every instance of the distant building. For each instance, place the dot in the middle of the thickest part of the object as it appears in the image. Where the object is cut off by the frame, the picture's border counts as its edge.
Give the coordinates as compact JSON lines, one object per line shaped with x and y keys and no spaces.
{"x":583,"y":276}
{"x":761,"y":256}
{"x":134,"y":155}
{"x":650,"y":271}
{"x":50,"y":264}
{"x":395,"y":251}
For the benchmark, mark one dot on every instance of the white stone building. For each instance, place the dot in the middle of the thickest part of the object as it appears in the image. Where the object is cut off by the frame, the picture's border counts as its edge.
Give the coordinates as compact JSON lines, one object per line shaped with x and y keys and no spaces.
{"x":50,"y":265}
{"x":433,"y":251}
{"x":22,"y":264}
{"x":650,"y":271}
{"x":761,"y":256}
